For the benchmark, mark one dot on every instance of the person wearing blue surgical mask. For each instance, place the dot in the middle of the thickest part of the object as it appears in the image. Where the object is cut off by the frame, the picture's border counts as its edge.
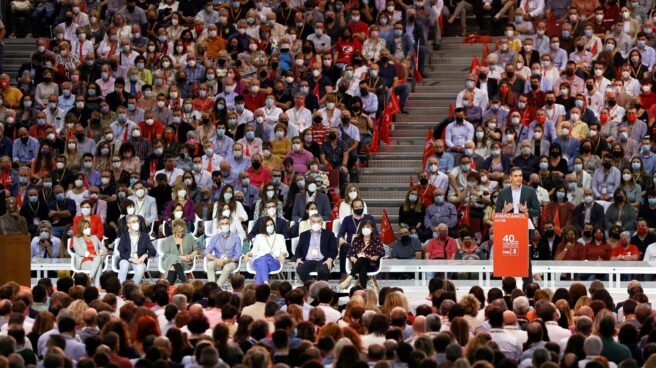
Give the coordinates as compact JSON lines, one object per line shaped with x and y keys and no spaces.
{"x":440,"y":212}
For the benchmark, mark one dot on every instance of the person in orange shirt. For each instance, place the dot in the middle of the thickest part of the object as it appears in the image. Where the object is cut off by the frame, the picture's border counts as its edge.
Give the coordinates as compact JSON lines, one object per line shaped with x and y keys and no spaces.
{"x":425,"y":189}
{"x":214,"y":42}
{"x":441,"y":246}
{"x":97,"y":228}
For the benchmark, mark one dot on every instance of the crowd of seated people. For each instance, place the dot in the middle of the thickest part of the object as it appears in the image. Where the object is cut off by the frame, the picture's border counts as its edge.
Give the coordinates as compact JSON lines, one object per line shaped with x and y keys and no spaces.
{"x":200,"y":324}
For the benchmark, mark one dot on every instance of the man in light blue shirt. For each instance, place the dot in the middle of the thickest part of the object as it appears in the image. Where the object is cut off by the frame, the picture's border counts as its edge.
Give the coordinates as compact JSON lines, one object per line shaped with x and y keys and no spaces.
{"x":458,"y":132}
{"x":605,"y":179}
{"x":223,"y":253}
{"x":238,"y":161}
{"x":647,"y":156}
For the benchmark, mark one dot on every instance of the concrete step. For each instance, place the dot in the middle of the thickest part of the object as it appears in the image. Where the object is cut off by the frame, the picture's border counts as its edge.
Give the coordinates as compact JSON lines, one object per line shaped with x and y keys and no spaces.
{"x":386,"y":194}
{"x":385,"y":171}
{"x":394,"y":164}
{"x":435,"y":94}
{"x":391,"y":178}
{"x":396,"y":156}
{"x":402,"y":186}
{"x":424,"y":118}
{"x":403,"y":148}
{"x":409,"y":132}
{"x":413,"y":141}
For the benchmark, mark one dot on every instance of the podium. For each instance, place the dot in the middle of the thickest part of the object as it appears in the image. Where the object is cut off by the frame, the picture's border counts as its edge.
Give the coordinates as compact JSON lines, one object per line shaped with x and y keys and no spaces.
{"x":15,"y":259}
{"x":510,"y":246}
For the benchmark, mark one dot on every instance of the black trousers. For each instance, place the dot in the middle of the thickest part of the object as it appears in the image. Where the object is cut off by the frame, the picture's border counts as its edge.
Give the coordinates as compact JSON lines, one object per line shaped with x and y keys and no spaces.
{"x":178,"y":273}
{"x":303,"y":270}
{"x":529,"y":279}
{"x":360,"y":268}
{"x":343,"y":250}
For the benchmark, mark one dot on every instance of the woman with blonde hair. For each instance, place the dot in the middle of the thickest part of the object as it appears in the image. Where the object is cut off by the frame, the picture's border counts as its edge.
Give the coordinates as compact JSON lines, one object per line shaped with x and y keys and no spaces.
{"x":370,"y":300}
{"x":77,"y":308}
{"x":583,"y":301}
{"x":471,"y":306}
{"x":352,"y":192}
{"x":296,"y":312}
{"x":393,"y":300}
{"x":178,"y":252}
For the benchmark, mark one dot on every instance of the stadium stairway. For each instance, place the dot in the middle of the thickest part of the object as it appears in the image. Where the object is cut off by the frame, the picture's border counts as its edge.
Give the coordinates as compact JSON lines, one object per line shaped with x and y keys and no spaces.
{"x":17,"y":51}
{"x":385,"y":182}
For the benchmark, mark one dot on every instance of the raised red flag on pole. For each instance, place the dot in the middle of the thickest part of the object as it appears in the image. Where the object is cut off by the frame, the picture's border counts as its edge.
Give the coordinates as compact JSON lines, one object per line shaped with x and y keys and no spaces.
{"x":385,"y":133}
{"x":474,"y":65}
{"x":452,"y":111}
{"x":428,"y":147}
{"x":386,"y":232}
{"x":412,"y":182}
{"x":486,"y":52}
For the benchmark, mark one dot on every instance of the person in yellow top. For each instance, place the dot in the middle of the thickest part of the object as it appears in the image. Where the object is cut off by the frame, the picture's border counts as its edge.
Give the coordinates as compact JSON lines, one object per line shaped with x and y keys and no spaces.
{"x":269,"y":160}
{"x":280,"y":144}
{"x":579,"y":128}
{"x":10,"y":95}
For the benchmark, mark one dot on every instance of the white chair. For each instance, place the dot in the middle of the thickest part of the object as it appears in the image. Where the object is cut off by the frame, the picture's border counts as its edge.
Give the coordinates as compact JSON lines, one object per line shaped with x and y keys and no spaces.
{"x":372,"y":275}
{"x":294,"y":244}
{"x":115,"y":260}
{"x":337,"y":223}
{"x":160,"y":267}
{"x":71,"y":253}
{"x":251,"y":223}
{"x":196,"y":220}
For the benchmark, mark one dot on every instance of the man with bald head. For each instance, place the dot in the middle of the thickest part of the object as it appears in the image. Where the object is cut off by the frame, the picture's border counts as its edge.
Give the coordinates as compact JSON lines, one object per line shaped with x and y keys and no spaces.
{"x":90,"y":329}
{"x":511,"y":326}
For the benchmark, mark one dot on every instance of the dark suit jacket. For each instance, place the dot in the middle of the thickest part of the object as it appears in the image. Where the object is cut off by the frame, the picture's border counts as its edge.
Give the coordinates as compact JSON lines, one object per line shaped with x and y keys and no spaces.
{"x":527,"y":196}
{"x":596,"y":216}
{"x":281,"y":228}
{"x":328,"y":245}
{"x":323,"y":206}
{"x":144,"y":246}
{"x":492,"y":88}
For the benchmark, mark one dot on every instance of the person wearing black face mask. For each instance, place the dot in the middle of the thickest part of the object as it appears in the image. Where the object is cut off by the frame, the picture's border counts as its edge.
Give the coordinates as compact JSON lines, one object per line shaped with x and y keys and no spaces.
{"x":336,"y":153}
{"x":406,"y":247}
{"x":621,"y":213}
{"x":548,"y":242}
{"x":605,"y":179}
{"x":26,"y":148}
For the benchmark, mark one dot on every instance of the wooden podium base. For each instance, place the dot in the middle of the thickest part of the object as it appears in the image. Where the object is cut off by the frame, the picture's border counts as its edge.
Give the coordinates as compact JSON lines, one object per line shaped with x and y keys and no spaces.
{"x":15,"y":259}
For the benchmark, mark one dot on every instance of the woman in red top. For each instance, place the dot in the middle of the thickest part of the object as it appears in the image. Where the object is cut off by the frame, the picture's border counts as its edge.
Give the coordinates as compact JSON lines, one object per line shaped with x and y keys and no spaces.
{"x":89,"y":251}
{"x":598,"y":249}
{"x":346,"y":47}
{"x":97,"y":228}
{"x":569,"y":249}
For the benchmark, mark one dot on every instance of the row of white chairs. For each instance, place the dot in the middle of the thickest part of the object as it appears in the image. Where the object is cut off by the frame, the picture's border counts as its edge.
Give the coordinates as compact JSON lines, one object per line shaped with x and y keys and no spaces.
{"x":112,"y":262}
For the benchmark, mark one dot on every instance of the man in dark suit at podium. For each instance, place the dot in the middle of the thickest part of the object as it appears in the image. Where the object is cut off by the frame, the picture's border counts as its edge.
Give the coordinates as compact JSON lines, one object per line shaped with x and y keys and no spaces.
{"x":518,"y":198}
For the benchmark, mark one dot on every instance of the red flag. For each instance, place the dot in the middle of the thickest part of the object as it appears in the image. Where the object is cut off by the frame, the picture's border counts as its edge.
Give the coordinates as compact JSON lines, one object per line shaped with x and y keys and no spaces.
{"x":412,"y":182}
{"x":440,"y":21}
{"x":86,"y":183}
{"x":385,"y":134}
{"x":376,"y":137}
{"x":416,"y":74}
{"x":474,"y":65}
{"x":464,"y":220}
{"x":386,"y":233}
{"x":333,"y":215}
{"x":556,"y":221}
{"x":593,"y":51}
{"x":486,"y":52}
{"x":428,"y":147}
{"x":452,"y":111}
{"x":393,"y":106}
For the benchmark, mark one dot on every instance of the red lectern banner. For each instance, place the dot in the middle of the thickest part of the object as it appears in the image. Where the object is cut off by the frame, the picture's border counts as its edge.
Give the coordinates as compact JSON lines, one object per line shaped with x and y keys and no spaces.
{"x":510,"y":247}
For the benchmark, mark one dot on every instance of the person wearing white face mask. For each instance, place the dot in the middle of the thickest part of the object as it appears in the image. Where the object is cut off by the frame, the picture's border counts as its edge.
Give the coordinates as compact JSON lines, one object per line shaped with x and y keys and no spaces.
{"x":134,"y":248}
{"x":144,"y":205}
{"x":268,"y":252}
{"x":267,"y":193}
{"x":270,"y":211}
{"x":311,"y":195}
{"x":316,"y":251}
{"x":235,"y":208}
{"x":223,"y":252}
{"x":89,"y":251}
{"x":352,"y":192}
{"x":180,"y":207}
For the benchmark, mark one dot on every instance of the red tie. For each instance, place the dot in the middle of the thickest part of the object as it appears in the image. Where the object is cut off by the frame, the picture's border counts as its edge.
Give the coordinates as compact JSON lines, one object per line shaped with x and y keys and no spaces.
{"x":526,"y":8}
{"x":125,"y":135}
{"x":209,"y":165}
{"x":19,"y":198}
{"x":153,"y":168}
{"x":81,"y":53}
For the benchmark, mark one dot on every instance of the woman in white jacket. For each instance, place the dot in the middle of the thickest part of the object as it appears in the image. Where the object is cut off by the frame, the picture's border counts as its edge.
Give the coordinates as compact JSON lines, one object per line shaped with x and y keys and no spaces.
{"x":268,"y":251}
